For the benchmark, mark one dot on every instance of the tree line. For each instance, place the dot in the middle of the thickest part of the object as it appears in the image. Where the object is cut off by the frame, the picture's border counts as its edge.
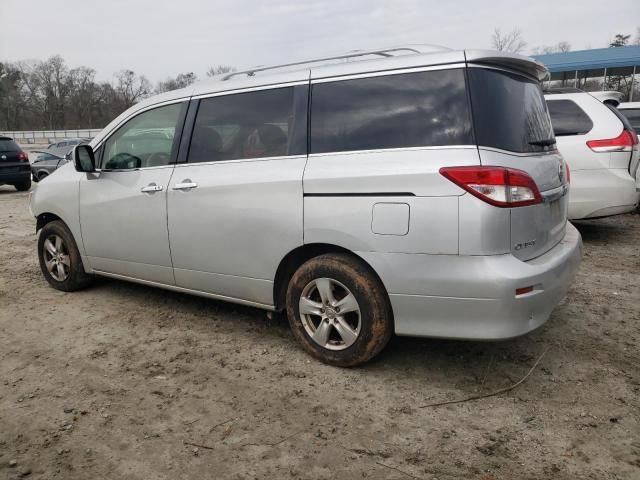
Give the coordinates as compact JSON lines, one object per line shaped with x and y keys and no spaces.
{"x":49,"y":95}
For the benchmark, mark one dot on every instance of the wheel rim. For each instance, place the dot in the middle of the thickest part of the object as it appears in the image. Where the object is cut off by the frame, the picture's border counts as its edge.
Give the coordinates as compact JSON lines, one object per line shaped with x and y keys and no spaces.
{"x":330,"y":314}
{"x":56,"y":257}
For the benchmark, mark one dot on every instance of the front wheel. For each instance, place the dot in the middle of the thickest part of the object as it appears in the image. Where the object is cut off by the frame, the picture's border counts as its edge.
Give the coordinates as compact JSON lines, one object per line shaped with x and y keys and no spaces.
{"x":60,"y":259}
{"x":338,"y":310}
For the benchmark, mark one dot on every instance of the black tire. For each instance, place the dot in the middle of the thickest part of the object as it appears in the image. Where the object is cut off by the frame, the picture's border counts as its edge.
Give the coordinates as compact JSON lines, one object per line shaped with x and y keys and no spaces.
{"x":375,"y":314}
{"x":42,"y":176}
{"x":23,"y":186}
{"x":76,"y":278}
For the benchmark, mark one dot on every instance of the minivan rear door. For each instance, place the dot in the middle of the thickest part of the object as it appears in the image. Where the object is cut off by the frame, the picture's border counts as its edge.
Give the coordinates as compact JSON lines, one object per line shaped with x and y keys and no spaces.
{"x":513,"y":129}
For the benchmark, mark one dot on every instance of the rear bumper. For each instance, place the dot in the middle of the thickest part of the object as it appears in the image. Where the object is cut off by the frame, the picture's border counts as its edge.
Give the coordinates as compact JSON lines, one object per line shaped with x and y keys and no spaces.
{"x":473,"y":297}
{"x":601,"y":192}
{"x":14,"y":177}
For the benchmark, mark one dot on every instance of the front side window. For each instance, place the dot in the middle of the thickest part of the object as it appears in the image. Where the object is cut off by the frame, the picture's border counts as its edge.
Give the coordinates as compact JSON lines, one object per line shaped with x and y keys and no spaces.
{"x":265,"y":123}
{"x":509,"y":112}
{"x":392,"y":111}
{"x":568,"y":118}
{"x":144,"y":141}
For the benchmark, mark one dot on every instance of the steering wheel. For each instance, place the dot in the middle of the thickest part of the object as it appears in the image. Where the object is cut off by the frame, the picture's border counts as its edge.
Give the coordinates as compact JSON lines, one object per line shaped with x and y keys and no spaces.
{"x":157,"y":159}
{"x":123,"y":161}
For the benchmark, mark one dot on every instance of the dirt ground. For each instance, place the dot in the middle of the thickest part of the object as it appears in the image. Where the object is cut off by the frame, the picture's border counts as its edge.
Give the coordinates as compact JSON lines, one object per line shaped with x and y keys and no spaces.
{"x":127,"y":381}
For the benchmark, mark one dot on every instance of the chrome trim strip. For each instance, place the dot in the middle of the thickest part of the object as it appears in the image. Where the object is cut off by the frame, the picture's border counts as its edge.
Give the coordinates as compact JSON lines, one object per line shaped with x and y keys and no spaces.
{"x":519,"y":154}
{"x":391,"y":150}
{"x":382,"y":73}
{"x":232,"y":91}
{"x":240,"y":160}
{"x":158,"y":167}
{"x":185,"y":290}
{"x":554,"y":194}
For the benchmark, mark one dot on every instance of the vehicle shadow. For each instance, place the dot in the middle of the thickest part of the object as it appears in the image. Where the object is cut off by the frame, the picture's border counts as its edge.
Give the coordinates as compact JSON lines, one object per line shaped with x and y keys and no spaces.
{"x":9,"y":189}
{"x":599,"y":230}
{"x":446,"y":362}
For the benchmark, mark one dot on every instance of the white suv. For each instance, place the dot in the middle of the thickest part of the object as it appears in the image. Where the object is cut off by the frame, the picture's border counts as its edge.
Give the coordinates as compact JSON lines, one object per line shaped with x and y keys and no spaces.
{"x":420,"y":194}
{"x":601,"y":149}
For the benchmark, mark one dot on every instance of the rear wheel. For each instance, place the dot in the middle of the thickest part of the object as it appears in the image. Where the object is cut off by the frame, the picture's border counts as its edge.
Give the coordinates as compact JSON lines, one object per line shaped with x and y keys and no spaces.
{"x":23,"y":186}
{"x":42,"y":176}
{"x":338,"y":310}
{"x":60,"y":259}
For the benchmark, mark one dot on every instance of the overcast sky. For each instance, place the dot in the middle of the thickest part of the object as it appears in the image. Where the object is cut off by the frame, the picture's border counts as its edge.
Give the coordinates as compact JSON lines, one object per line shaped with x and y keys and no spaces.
{"x":159,"y":38}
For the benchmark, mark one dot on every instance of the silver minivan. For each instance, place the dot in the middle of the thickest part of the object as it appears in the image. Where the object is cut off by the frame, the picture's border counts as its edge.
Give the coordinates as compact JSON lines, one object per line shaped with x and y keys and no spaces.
{"x":391,"y":191}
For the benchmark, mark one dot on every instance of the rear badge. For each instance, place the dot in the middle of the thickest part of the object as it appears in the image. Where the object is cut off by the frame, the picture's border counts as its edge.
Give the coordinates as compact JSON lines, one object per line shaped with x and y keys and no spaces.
{"x":520,"y":246}
{"x":561,"y":171}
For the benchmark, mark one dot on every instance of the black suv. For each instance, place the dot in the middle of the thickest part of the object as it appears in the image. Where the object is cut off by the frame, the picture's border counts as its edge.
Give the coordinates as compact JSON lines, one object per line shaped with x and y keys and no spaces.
{"x":14,"y":165}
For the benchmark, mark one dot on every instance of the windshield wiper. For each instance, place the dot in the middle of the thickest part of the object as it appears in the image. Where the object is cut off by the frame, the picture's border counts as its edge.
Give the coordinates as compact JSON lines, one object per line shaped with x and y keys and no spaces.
{"x":544,"y":143}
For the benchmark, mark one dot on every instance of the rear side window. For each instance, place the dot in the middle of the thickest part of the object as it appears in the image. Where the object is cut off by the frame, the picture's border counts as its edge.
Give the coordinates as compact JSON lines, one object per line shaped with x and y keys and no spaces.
{"x":266,"y":123}
{"x":633,"y":115}
{"x":509,"y":112}
{"x":391,"y":111}
{"x":8,"y":145}
{"x":568,"y":118}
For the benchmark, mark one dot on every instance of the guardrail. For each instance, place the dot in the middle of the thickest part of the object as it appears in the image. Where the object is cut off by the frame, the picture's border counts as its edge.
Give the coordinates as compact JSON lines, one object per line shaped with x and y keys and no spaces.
{"x":48,"y":136}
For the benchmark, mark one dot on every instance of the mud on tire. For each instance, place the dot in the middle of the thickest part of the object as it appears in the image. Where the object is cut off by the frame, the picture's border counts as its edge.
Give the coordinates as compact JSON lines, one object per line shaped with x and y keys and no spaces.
{"x":375,"y":318}
{"x":75,"y":278}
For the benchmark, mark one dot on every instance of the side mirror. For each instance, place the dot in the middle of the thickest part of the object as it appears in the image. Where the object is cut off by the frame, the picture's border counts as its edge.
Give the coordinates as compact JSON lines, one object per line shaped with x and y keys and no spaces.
{"x":83,"y":158}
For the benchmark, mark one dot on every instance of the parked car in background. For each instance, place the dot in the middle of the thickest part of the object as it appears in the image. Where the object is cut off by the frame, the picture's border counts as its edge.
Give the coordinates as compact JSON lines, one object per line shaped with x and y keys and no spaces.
{"x":44,"y":164}
{"x":63,"y":147}
{"x":601,"y":149}
{"x":608,"y":97}
{"x":14,"y":165}
{"x":631,"y":110}
{"x":364,"y":198}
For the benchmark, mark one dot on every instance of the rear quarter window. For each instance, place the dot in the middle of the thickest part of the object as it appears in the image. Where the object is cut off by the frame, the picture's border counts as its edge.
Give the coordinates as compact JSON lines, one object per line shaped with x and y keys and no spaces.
{"x":568,"y":118}
{"x":509,"y":111}
{"x":392,"y":111}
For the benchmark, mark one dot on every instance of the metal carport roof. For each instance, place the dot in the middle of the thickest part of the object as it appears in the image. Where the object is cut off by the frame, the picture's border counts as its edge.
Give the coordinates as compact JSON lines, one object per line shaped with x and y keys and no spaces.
{"x":598,"y":58}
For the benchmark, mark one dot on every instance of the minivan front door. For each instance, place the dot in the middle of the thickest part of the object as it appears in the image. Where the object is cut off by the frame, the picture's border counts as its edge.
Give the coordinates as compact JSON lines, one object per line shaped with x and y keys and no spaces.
{"x":123,"y":206}
{"x":235,"y":208}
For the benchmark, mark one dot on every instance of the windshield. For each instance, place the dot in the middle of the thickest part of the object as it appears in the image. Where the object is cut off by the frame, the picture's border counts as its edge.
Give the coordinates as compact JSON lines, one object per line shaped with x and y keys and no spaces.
{"x":509,"y":112}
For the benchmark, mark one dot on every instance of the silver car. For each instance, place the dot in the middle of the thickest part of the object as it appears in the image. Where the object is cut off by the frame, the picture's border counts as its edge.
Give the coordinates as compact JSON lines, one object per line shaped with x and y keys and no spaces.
{"x":397,"y":192}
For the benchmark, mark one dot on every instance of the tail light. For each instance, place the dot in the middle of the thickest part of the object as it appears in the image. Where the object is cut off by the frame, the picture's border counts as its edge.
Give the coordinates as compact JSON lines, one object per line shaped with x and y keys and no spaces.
{"x":498,"y":186}
{"x":622,"y":143}
{"x":23,"y":157}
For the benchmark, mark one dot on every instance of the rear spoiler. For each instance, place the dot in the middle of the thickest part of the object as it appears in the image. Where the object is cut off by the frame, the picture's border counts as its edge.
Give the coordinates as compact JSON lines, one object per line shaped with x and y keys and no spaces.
{"x":513,"y":61}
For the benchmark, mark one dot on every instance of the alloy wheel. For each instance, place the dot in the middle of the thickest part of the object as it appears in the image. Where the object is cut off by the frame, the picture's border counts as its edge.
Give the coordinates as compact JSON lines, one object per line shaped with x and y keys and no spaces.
{"x":330,"y":314}
{"x":56,"y":257}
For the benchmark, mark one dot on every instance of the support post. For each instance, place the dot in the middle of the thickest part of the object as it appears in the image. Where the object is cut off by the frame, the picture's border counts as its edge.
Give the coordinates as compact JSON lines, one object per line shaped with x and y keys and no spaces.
{"x":604,"y":78}
{"x":633,"y":79}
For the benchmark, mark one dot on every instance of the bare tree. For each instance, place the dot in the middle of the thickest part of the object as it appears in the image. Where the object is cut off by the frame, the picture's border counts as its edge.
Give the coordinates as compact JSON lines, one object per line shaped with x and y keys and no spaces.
{"x":220,"y":70}
{"x":181,"y":81}
{"x":508,"y":42}
{"x":557,"y":48}
{"x":131,"y":88}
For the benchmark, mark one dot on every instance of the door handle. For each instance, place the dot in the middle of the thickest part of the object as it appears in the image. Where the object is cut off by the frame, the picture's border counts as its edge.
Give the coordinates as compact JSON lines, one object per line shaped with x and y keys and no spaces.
{"x":151,"y":188}
{"x":187,"y":185}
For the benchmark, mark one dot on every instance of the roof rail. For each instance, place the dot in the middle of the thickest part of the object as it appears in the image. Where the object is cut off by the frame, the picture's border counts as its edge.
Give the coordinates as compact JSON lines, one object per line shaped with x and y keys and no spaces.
{"x":384,"y":52}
